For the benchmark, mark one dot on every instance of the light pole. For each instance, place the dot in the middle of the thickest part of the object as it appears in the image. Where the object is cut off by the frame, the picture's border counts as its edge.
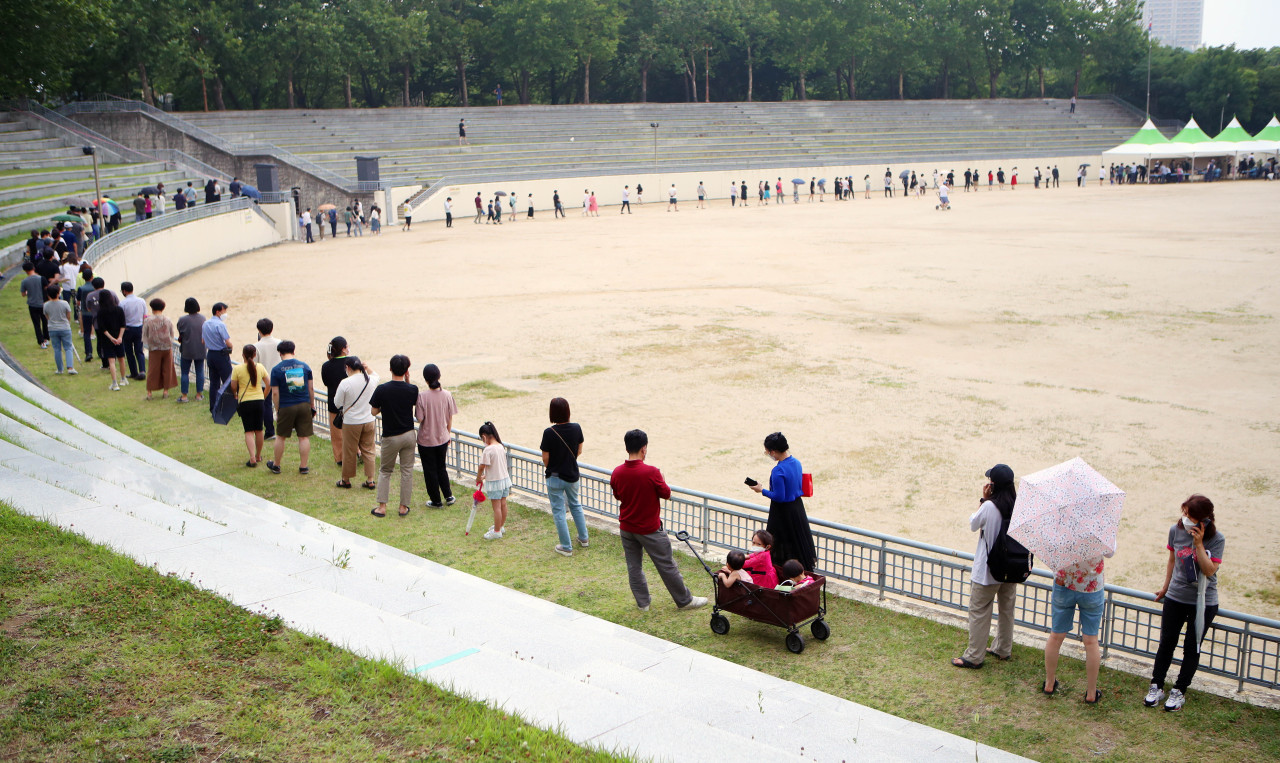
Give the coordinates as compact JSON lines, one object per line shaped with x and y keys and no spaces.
{"x":1223,"y":113}
{"x":654,"y":125}
{"x":97,"y":186}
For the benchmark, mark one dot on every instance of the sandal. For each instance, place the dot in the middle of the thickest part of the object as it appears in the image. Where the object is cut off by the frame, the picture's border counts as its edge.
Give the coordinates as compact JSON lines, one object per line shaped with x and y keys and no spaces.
{"x":343,"y":483}
{"x":1056,"y":685}
{"x":992,"y":652}
{"x":251,"y":464}
{"x":405,"y":513}
{"x":374,"y":512}
{"x":961,"y":662}
{"x":1097,"y":697}
{"x":304,"y":470}
{"x":370,"y":485}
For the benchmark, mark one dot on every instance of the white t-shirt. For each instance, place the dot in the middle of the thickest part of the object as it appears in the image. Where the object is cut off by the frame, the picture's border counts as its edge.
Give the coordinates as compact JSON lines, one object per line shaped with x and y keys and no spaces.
{"x":157,"y":204}
{"x":701,"y":191}
{"x":672,"y":192}
{"x":733,"y":190}
{"x":268,"y":355}
{"x":354,"y":402}
{"x":69,"y":273}
{"x":306,"y":219}
{"x":626,"y":194}
{"x":375,"y":215}
{"x":448,"y":207}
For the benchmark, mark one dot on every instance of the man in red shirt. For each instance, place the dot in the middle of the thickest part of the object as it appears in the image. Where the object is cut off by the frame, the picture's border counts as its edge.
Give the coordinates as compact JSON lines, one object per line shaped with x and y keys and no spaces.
{"x":640,"y":488}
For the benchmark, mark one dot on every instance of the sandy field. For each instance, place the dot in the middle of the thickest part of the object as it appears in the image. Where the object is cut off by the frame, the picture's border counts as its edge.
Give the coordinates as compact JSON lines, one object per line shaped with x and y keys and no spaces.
{"x":902,"y":350}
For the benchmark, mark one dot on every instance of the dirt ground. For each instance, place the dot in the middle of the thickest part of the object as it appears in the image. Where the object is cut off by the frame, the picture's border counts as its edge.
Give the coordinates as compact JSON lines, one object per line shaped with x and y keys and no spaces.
{"x":902,"y":350}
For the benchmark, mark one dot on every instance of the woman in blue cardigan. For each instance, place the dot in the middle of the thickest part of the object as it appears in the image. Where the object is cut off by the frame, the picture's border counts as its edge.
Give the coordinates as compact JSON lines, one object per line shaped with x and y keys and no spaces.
{"x":787,"y":519}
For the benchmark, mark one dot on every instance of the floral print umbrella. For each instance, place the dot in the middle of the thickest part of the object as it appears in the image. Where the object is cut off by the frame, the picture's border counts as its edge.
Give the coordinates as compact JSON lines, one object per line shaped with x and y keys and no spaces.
{"x":1067,"y":514}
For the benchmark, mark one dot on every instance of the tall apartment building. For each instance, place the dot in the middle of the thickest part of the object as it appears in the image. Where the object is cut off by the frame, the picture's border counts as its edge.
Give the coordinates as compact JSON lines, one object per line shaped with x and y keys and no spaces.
{"x":1179,"y":23}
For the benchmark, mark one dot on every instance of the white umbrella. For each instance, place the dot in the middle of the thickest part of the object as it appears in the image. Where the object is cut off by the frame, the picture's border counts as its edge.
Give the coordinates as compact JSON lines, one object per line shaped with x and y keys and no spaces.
{"x":1067,"y":514}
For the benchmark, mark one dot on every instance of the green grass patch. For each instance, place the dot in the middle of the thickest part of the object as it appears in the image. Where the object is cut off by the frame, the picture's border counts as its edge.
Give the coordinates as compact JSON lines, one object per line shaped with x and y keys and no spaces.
{"x":102,"y":659}
{"x":483,"y":389}
{"x":557,"y":378}
{"x":882,"y":659}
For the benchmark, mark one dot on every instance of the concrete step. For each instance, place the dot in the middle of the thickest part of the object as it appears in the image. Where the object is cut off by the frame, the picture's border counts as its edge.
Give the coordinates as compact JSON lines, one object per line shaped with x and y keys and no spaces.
{"x":79,"y":172}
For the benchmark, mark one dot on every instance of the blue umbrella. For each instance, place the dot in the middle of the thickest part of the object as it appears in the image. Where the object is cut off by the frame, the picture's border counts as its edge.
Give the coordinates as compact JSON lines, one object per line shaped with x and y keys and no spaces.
{"x":251,"y":192}
{"x":797,"y":181}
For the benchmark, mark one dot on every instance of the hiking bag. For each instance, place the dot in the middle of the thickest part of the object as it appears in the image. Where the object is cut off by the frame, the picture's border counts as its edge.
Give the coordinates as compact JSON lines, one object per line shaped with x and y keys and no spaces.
{"x":1008,"y":561}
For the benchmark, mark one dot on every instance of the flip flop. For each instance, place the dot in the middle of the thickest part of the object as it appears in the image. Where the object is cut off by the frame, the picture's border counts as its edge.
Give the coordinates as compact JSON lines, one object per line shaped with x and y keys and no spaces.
{"x":1097,"y":697}
{"x":374,"y":512}
{"x":370,"y":485}
{"x":1056,"y":685}
{"x":406,"y":511}
{"x":250,"y":464}
{"x":992,"y":652}
{"x":960,"y":662}
{"x":343,"y":484}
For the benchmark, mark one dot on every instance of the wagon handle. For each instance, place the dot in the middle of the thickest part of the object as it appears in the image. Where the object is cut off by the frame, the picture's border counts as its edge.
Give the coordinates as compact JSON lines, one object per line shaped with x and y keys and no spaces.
{"x":683,"y":535}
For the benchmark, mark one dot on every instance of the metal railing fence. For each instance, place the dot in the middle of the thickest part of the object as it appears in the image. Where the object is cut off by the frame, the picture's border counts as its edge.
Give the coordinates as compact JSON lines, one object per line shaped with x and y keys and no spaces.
{"x":101,"y":249}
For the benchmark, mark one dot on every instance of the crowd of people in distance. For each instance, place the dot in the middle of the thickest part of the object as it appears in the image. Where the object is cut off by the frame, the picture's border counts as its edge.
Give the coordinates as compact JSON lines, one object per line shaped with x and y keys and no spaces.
{"x":1189,"y":596}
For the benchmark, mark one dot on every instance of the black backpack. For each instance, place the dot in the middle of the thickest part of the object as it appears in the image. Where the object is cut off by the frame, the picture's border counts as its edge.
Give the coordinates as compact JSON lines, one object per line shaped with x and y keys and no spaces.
{"x":1008,"y":561}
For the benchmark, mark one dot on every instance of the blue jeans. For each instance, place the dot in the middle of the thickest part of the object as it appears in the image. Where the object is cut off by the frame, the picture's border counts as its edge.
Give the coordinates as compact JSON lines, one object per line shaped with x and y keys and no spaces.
{"x":61,"y":341}
{"x":1064,"y":603}
{"x":186,"y":370}
{"x":560,"y":493}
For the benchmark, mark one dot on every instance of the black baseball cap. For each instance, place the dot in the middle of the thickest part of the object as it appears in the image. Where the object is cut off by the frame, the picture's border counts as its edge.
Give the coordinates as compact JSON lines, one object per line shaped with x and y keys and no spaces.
{"x":1000,"y":474}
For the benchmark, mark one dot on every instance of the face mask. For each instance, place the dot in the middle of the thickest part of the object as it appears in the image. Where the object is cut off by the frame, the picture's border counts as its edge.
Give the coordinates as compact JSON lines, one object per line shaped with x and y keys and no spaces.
{"x":1188,"y":523}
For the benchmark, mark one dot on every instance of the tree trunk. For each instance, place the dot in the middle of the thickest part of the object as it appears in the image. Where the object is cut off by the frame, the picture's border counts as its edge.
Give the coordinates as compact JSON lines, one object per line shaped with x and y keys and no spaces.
{"x":406,"y":85}
{"x":691,"y":69}
{"x":217,"y":94}
{"x":146,"y":84}
{"x":901,"y":78}
{"x":462,"y":80}
{"x":644,"y":82}
{"x":706,"y":73}
{"x":946,"y":79}
{"x":586,"y":80}
{"x":347,"y":87}
{"x":204,"y":91}
{"x":1075,"y":89}
{"x":524,"y":87}
{"x":853,"y":84}
{"x":751,"y":75}
{"x":289,"y":76}
{"x":994,"y":79}
{"x":551,"y":89}
{"x":1040,"y":69}
{"x":804,"y":91}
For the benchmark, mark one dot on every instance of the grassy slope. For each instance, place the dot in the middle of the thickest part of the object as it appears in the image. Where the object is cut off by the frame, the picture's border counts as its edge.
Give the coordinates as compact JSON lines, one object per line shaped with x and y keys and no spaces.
{"x":888,"y":661}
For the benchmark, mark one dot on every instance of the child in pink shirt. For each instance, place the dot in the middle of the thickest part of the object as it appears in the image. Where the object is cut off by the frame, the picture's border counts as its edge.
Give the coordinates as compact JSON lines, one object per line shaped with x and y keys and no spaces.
{"x":759,"y":564}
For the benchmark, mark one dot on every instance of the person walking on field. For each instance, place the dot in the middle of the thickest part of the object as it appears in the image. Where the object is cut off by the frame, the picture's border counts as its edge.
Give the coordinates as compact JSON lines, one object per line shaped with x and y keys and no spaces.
{"x":293,"y":396}
{"x":394,"y":401}
{"x":626,"y":200}
{"x":742,"y":192}
{"x":998,"y":498}
{"x":733,"y":193}
{"x":555,"y":200}
{"x":639,"y":489}
{"x":1055,"y":176}
{"x":479,"y":208}
{"x":672,"y":203}
{"x":778,"y":193}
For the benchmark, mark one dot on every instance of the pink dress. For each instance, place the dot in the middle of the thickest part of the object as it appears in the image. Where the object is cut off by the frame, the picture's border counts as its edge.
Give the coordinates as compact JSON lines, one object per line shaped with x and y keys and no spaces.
{"x":760,"y":567}
{"x":592,"y":206}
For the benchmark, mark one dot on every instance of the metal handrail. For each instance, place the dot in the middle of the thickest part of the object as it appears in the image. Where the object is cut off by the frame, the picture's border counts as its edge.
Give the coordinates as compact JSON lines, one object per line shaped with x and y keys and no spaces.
{"x":100,"y":249}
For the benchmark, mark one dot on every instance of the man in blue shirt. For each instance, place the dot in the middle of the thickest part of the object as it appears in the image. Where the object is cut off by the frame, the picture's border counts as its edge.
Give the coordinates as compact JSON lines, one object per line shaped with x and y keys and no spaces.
{"x":294,"y":397}
{"x":135,"y":310}
{"x":217,"y":345}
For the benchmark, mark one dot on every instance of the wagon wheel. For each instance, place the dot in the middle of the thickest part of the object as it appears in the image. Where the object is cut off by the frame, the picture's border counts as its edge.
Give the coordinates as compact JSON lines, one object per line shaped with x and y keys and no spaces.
{"x":719,"y":624}
{"x":820,"y":630}
{"x":795,"y":642}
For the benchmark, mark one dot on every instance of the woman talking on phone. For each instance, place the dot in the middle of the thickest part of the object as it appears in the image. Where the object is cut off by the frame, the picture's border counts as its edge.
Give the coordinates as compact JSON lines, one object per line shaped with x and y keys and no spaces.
{"x":788,"y":522}
{"x":1190,"y":596}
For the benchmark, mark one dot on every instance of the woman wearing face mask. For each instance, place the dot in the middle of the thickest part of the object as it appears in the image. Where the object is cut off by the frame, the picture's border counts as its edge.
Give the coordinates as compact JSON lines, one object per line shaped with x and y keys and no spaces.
{"x":1190,"y":595}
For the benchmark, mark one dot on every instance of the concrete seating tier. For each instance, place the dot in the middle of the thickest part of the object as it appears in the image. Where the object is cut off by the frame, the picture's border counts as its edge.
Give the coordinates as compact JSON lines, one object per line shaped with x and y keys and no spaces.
{"x":421,"y":144}
{"x":598,"y":683}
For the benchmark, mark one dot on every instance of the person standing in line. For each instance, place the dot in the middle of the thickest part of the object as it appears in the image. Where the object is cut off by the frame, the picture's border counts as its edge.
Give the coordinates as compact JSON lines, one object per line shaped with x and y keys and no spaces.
{"x":306,"y":225}
{"x":84,"y":318}
{"x":497,"y":93}
{"x":586,"y":201}
{"x":333,"y":222}
{"x":672,"y":202}
{"x":702,"y":195}
{"x":434,"y":411}
{"x":217,"y":346}
{"x":135,"y":312}
{"x":511,"y":206}
{"x":788,"y":522}
{"x":448,"y":212}
{"x":157,"y":205}
{"x":888,"y":185}
{"x":1073,"y":105}
{"x":319,"y":221}
{"x":111,"y":337}
{"x":1189,"y":595}
{"x":139,"y":208}
{"x":733,"y":194}
{"x":639,"y":489}
{"x":742,"y":193}
{"x":395,"y":401}
{"x":998,"y":498}
{"x":530,"y":202}
{"x":346,"y":218}
{"x":268,"y":355}
{"x":358,"y":425}
{"x":968,"y":176}
{"x":33,"y":287}
{"x":249,"y":384}
{"x":493,"y":478}
{"x":479,"y":208}
{"x":157,"y":338}
{"x":191,"y":349}
{"x":190,"y":193}
{"x":561,"y":448}
{"x":558,"y":208}
{"x":375,"y":220}
{"x":761,"y":194}
{"x":92,"y":304}
{"x":640,"y":194}
{"x":57,"y":313}
{"x":462,"y":131}
{"x":778,"y":191}
{"x":1055,"y":176}
{"x":626,"y":200}
{"x":592,"y":206}
{"x":765,"y":190}
{"x":812,"y":188}
{"x":333,"y":371}
{"x":1079,"y":586}
{"x":294,"y":397}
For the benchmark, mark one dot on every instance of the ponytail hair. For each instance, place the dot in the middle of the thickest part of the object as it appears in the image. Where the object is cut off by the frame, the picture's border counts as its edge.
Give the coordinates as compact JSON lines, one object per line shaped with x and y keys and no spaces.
{"x":250,"y":355}
{"x":356,"y":364}
{"x":487,"y":428}
{"x":1200,"y":509}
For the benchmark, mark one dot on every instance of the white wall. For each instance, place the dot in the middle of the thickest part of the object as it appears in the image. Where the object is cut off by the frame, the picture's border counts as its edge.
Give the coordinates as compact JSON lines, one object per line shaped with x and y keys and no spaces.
{"x":162,"y":256}
{"x":608,"y":188}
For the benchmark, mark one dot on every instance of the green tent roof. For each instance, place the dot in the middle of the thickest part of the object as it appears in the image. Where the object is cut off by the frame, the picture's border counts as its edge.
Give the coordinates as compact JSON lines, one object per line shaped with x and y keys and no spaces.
{"x":1270,"y":132}
{"x":1148,"y":135}
{"x":1191,"y":134}
{"x":1233,"y":133}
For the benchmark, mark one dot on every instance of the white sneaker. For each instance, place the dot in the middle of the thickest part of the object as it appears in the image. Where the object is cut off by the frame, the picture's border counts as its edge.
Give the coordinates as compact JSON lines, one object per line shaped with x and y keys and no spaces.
{"x":644,"y":608}
{"x":582,"y":542}
{"x":696,"y":603}
{"x":72,"y":372}
{"x":491,"y":535}
{"x":114,"y":387}
{"x":56,"y":372}
{"x":563,"y":551}
{"x":1175,"y":701}
{"x":124,"y":381}
{"x":1154,"y":695}
{"x":450,"y":501}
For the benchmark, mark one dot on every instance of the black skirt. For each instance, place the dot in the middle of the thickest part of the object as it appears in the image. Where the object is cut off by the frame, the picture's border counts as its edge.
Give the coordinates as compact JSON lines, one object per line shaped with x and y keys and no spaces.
{"x":789,"y":526}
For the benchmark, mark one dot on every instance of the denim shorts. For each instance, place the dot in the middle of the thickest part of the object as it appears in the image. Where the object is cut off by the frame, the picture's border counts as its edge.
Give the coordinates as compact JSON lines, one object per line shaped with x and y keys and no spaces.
{"x":1065,"y":602}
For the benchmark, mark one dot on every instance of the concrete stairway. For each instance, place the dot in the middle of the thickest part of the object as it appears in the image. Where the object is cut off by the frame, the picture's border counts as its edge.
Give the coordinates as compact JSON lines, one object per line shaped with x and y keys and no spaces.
{"x":601,"y":684}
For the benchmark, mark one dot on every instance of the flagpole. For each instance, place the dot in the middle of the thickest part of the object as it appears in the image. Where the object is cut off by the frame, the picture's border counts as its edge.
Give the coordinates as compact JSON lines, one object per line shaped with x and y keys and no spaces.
{"x":1149,"y":69}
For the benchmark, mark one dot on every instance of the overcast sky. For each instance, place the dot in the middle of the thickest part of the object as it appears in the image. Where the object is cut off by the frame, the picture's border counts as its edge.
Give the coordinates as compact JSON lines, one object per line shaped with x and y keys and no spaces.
{"x":1244,"y":23}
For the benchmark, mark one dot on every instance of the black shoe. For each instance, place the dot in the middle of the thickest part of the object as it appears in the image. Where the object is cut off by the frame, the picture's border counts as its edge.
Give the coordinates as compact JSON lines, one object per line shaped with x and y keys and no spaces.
{"x":271,"y":466}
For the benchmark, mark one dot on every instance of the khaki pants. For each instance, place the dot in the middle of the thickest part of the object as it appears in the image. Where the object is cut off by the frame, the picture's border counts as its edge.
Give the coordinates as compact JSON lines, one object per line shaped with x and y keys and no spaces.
{"x":357,"y":440}
{"x":335,"y":437}
{"x":398,"y":448}
{"x":981,"y":599}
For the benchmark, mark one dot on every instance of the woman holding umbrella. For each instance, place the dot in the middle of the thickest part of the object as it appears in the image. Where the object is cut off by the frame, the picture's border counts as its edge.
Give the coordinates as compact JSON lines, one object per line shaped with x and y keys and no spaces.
{"x":1190,"y":596}
{"x":788,"y":522}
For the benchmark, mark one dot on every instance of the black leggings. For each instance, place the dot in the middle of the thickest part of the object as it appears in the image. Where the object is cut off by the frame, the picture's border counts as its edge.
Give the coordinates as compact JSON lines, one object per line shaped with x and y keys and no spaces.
{"x":1175,"y":616}
{"x":434,"y":472}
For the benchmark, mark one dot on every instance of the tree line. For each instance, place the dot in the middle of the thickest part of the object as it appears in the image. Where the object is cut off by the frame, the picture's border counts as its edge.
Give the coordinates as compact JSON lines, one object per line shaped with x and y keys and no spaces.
{"x":254,"y":54}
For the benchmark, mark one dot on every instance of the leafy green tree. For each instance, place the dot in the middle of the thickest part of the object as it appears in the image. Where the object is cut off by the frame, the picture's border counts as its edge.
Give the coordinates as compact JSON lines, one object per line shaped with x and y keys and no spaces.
{"x":801,"y":42}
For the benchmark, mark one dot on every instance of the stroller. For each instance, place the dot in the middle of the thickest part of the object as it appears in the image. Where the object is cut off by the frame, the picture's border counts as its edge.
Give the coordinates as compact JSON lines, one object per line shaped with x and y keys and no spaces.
{"x":785,"y":609}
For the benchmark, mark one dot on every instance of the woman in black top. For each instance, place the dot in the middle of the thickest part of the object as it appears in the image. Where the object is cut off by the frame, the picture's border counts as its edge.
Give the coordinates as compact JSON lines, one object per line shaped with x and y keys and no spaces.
{"x":110,"y":322}
{"x":561,"y":447}
{"x":332,"y":373}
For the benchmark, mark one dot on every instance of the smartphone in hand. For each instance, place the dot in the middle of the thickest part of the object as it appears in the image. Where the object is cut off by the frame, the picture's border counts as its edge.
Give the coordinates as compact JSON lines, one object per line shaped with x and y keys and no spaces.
{"x":750,"y":482}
